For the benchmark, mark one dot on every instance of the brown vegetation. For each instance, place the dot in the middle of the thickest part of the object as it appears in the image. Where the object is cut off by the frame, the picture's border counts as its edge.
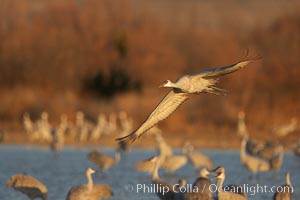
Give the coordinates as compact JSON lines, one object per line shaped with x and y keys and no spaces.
{"x":53,"y":52}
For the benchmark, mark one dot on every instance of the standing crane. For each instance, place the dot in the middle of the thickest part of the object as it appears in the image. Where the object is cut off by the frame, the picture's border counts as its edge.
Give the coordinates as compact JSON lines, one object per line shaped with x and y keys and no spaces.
{"x":287,"y":190}
{"x":202,"y":184}
{"x":233,"y":193}
{"x":89,"y":191}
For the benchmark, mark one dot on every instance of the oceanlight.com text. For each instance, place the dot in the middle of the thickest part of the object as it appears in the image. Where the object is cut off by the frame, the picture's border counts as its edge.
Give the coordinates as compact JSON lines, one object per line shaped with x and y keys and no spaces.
{"x":244,"y":188}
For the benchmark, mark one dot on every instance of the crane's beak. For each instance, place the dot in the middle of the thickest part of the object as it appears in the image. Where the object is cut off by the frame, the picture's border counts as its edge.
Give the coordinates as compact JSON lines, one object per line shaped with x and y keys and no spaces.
{"x":215,"y":176}
{"x":162,"y":85}
{"x":213,"y":171}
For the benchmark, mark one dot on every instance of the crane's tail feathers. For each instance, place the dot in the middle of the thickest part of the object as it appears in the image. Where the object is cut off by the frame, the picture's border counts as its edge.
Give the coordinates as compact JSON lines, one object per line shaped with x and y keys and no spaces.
{"x":124,"y":141}
{"x":217,"y":91}
{"x":250,"y":55}
{"x":246,"y":53}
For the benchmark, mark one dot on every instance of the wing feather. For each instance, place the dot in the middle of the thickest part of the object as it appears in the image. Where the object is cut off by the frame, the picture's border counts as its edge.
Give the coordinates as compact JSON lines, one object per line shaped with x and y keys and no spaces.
{"x":215,"y":72}
{"x":164,"y":109}
{"x":99,"y":158}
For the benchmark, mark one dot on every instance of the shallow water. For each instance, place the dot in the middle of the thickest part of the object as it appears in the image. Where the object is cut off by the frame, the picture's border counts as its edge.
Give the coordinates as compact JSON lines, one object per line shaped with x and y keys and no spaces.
{"x":59,"y":175}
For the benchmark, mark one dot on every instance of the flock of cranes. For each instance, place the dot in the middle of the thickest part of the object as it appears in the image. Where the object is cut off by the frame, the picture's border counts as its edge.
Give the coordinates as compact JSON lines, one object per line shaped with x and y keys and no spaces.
{"x":257,"y":157}
{"x":166,"y":160}
{"x":33,"y":188}
{"x":83,"y":130}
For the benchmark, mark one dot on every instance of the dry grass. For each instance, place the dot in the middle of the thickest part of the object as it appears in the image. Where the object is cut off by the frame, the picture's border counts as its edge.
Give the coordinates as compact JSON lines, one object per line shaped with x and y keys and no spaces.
{"x":49,"y":49}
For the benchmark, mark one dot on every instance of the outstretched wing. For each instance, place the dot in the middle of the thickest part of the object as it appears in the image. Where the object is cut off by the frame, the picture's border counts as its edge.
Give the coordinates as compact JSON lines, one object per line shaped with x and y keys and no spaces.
{"x":164,"y":109}
{"x":215,"y":72}
{"x":28,"y":185}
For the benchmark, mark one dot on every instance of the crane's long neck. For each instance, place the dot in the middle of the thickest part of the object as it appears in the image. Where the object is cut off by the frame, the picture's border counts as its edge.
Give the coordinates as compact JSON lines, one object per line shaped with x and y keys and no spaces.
{"x":164,"y":148}
{"x":288,"y":179}
{"x":173,"y":85}
{"x":220,"y":183}
{"x":89,"y":181}
{"x":243,"y":150}
{"x":155,"y":171}
{"x":242,"y":128}
{"x":176,"y":85}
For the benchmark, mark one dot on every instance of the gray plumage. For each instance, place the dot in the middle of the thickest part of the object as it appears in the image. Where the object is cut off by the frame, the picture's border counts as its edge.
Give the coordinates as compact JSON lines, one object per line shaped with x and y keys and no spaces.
{"x":156,"y":180}
{"x":104,"y":161}
{"x":168,"y":160}
{"x":252,"y":145}
{"x":164,"y":149}
{"x":264,"y":150}
{"x":89,"y":191}
{"x":256,"y":164}
{"x":269,"y":150}
{"x":202,"y":183}
{"x":58,"y":135}
{"x":145,"y":166}
{"x":253,"y":163}
{"x":202,"y":82}
{"x":28,"y":185}
{"x":173,"y":163}
{"x":196,"y":158}
{"x":233,"y":193}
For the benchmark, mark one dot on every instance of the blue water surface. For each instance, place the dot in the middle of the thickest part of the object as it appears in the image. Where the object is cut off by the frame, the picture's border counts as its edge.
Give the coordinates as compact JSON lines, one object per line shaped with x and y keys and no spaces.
{"x":60,"y":174}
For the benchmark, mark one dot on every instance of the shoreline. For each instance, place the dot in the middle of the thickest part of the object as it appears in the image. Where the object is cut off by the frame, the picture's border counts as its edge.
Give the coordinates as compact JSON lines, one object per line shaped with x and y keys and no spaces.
{"x":176,"y":141}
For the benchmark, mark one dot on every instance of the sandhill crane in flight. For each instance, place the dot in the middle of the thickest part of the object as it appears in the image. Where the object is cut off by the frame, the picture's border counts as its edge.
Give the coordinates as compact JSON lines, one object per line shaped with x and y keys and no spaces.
{"x":28,"y":185}
{"x":203,"y":82}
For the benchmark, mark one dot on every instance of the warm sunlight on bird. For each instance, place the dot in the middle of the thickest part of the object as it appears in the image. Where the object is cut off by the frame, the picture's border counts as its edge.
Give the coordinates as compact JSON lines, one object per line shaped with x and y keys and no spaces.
{"x":203,"y":82}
